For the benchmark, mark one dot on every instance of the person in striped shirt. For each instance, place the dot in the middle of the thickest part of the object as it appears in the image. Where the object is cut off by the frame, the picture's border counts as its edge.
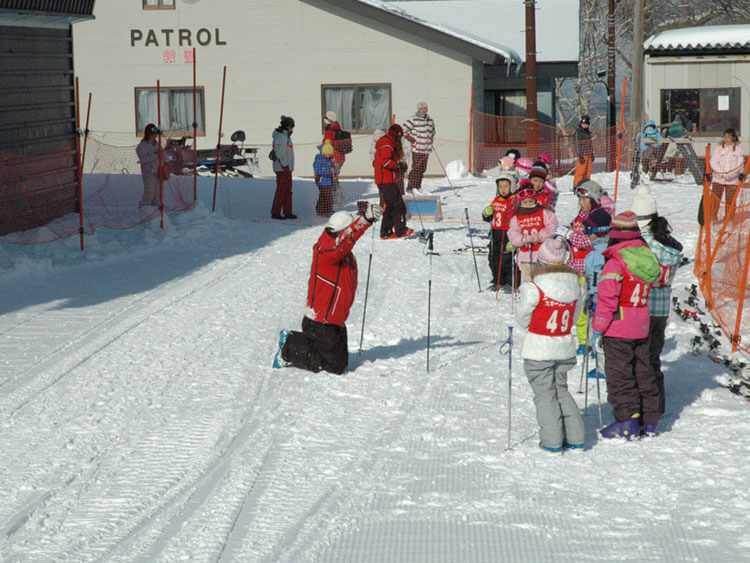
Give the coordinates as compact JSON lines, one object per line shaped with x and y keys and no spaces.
{"x":419,"y":129}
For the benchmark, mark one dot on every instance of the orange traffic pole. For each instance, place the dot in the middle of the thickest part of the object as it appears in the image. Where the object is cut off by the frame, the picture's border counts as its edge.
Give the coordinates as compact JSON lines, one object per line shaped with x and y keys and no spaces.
{"x":741,"y":303}
{"x":707,"y":226}
{"x":218,"y":143}
{"x":619,"y":135}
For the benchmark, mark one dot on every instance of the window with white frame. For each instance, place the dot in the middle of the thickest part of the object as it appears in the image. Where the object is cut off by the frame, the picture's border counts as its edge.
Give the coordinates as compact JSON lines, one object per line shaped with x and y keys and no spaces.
{"x":158,"y":4}
{"x":176,"y":110}
{"x":360,"y":108}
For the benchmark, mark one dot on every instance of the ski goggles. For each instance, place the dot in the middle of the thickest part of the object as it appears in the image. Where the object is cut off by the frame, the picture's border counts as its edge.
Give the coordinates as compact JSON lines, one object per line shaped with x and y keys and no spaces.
{"x":582,"y":191}
{"x":526,"y":193}
{"x":592,"y":229}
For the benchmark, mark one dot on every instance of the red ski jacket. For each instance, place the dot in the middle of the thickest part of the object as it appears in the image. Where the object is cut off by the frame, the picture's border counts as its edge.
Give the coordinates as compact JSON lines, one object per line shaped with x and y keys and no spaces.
{"x":330,"y":135}
{"x":333,"y":275}
{"x":385,"y":163}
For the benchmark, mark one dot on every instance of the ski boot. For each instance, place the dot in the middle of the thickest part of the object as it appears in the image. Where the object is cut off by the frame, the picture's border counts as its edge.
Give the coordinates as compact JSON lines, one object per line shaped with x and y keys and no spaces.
{"x":627,"y":429}
{"x":550,"y":450}
{"x":572,"y":447}
{"x":278,"y":361}
{"x":648,"y":431}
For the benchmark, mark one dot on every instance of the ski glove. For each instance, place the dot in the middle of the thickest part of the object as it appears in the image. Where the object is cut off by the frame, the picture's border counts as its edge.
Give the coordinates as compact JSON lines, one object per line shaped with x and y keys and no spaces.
{"x":488,"y":212}
{"x":742,"y":177}
{"x":373,"y":212}
{"x":402,"y":166}
{"x":562,"y":231}
{"x":708,"y":177}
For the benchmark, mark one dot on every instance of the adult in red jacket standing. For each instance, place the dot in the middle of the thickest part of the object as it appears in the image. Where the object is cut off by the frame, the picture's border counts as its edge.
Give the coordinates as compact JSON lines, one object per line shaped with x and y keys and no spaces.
{"x":331,"y":128}
{"x":388,"y":153}
{"x":322,"y":344}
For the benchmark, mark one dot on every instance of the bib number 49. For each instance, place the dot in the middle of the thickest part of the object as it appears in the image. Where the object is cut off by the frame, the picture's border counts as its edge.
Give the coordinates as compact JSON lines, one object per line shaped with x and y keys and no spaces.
{"x":564,"y":322}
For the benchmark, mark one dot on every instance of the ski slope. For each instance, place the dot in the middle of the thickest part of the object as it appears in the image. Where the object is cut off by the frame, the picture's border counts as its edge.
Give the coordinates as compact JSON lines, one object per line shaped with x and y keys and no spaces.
{"x":140,"y":419}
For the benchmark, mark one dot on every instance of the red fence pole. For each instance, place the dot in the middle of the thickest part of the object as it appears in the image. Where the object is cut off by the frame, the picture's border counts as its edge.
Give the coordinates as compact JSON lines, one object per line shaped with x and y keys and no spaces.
{"x":707,"y":205}
{"x":161,"y":181}
{"x":218,"y":143}
{"x":741,"y":302}
{"x":619,"y":140}
{"x":195,"y":134}
{"x":80,"y":165}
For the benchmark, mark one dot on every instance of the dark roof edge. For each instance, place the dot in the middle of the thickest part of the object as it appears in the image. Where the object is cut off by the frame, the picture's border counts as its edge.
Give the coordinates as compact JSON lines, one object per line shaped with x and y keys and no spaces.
{"x":425,"y":32}
{"x":81,"y":8}
{"x":699,"y":51}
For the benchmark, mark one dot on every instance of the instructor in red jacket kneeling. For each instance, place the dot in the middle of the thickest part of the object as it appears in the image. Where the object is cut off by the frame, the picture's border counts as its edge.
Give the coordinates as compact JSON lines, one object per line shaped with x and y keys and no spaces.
{"x":322,"y":344}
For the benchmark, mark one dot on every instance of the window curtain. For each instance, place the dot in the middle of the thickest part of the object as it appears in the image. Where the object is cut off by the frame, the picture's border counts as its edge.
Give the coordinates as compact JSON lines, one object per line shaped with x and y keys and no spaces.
{"x":341,"y":101}
{"x":182,"y":111}
{"x":146,"y":109}
{"x":375,"y":107}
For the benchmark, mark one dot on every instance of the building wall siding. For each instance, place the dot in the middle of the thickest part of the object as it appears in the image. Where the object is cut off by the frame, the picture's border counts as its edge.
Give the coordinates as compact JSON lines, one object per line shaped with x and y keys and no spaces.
{"x":278,"y":54}
{"x":731,"y":71}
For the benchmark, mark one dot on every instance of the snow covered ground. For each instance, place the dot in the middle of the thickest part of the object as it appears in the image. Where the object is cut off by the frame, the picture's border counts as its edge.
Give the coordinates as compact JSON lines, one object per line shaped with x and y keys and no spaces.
{"x":141,"y":421}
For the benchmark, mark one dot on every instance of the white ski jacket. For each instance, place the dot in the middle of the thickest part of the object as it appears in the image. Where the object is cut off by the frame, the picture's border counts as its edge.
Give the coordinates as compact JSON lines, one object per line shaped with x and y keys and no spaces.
{"x":561,"y":284}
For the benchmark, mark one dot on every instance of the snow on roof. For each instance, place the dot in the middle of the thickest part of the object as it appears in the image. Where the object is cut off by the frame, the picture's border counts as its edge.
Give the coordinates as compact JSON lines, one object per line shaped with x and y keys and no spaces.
{"x":503,"y":22}
{"x":705,"y":37}
{"x":397,"y":9}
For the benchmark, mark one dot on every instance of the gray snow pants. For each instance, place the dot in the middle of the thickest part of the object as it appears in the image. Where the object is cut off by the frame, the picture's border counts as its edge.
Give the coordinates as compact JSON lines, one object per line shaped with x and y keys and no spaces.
{"x":557,"y":413}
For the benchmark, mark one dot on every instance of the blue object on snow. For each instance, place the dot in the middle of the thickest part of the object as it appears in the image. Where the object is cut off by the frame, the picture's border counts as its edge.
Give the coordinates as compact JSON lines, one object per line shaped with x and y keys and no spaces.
{"x":592,"y":374}
{"x":551,"y":450}
{"x":277,"y":357}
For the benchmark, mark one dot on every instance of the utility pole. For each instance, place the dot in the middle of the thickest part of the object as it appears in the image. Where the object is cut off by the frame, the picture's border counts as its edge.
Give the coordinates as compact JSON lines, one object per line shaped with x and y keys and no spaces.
{"x":636,"y":92}
{"x":611,"y":99}
{"x":532,"y":131}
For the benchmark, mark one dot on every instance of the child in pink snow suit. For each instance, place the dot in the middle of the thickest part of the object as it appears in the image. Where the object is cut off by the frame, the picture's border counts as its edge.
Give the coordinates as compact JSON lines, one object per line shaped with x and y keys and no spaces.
{"x":529,"y":227}
{"x":548,"y":305}
{"x":622,"y":316}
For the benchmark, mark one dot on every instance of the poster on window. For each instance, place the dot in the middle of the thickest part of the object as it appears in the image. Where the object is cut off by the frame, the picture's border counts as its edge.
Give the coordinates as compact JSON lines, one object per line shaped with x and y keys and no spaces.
{"x":723,"y":103}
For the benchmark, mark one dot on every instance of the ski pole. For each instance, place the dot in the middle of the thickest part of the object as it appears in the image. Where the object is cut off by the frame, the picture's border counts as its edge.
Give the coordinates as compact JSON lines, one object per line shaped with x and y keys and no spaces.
{"x":419,"y":213}
{"x":444,"y":171}
{"x":507,"y":348}
{"x":584,"y":367}
{"x":367,"y":290}
{"x":598,"y":391}
{"x":430,"y":251}
{"x":471,"y":238}
{"x":500,"y":265}
{"x":513,"y":281}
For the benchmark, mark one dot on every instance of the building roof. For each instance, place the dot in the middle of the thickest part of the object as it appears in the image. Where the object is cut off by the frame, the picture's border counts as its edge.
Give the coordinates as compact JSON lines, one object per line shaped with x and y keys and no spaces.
{"x":709,"y":39}
{"x":45,"y":13}
{"x":477,"y":47}
{"x":504,"y":21}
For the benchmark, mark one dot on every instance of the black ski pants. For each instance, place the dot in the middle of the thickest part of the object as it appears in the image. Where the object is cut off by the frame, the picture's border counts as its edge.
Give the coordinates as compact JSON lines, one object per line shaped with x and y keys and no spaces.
{"x":656,"y":330}
{"x":501,"y":261}
{"x":394,"y":214}
{"x":318,"y":347}
{"x":631,"y":384}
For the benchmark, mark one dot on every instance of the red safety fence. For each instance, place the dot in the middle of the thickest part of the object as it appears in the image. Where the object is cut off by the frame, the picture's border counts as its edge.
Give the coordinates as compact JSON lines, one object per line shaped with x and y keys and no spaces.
{"x":39,"y":212}
{"x":722,"y":259}
{"x":493,"y":135}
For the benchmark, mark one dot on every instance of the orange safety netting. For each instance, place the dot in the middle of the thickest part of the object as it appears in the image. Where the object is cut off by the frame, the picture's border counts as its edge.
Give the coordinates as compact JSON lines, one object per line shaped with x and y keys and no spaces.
{"x":36,"y":212}
{"x":722,"y":259}
{"x":492,"y":135}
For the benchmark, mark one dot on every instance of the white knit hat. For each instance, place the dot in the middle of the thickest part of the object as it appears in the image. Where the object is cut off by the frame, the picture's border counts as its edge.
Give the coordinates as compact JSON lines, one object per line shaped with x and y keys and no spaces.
{"x":644,"y":206}
{"x":339,"y":221}
{"x":421,"y":105}
{"x":330,"y":117}
{"x":552,"y":251}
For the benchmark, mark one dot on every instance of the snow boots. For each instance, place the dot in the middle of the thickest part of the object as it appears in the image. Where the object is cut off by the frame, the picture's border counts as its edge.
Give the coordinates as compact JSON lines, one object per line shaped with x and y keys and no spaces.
{"x":628,"y":429}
